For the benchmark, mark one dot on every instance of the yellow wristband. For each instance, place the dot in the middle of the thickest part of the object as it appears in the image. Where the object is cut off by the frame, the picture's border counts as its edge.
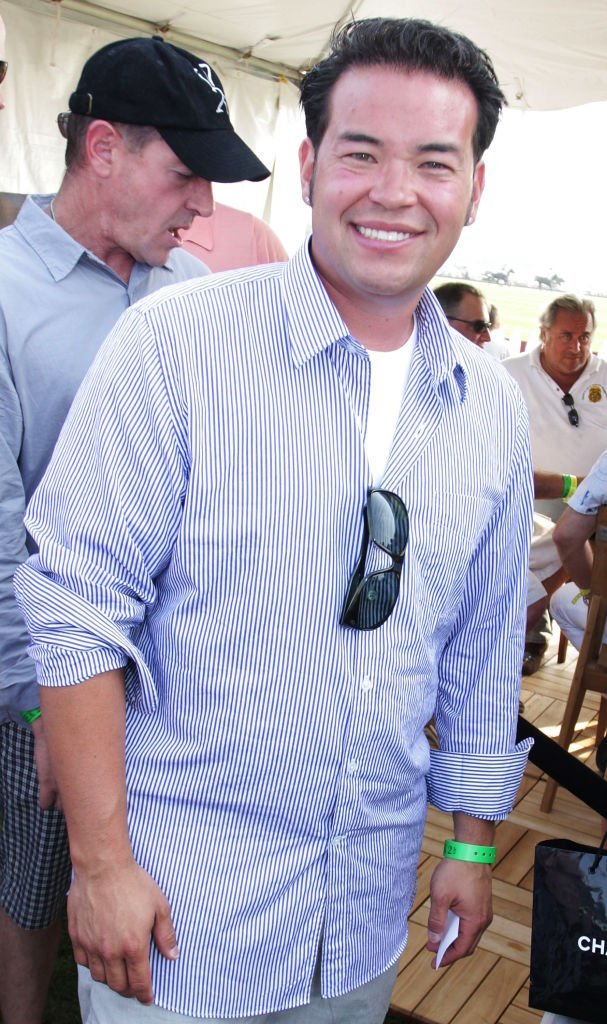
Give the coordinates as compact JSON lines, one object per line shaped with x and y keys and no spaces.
{"x":569,"y":486}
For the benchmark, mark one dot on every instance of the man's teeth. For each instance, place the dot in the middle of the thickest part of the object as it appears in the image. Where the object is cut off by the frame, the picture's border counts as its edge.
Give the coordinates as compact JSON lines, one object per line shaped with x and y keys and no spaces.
{"x":383,"y":236}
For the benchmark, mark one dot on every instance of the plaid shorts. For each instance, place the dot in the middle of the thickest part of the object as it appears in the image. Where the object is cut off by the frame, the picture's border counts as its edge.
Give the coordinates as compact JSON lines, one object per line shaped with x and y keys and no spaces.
{"x":35,"y":866}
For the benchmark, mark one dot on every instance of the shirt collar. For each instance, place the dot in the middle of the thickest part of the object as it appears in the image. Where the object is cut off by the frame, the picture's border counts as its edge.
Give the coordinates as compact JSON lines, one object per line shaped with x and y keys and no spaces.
{"x":315,"y":323}
{"x":56,"y":248}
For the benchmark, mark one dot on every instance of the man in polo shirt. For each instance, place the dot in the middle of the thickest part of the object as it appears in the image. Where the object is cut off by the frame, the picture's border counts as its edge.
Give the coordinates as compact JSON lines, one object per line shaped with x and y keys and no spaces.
{"x":565,"y":388}
{"x":147,"y":133}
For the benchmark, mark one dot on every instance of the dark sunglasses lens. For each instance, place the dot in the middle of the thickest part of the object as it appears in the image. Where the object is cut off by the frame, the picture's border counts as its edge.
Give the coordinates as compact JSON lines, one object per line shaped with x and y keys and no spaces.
{"x":3,"y":70}
{"x":373,"y":600}
{"x":572,"y":412}
{"x":480,"y":326}
{"x":388,"y":522}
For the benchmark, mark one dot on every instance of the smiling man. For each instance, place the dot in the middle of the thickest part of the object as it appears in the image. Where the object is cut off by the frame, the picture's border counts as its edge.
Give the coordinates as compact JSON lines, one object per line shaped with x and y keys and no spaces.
{"x":276,"y":538}
{"x":147,"y":133}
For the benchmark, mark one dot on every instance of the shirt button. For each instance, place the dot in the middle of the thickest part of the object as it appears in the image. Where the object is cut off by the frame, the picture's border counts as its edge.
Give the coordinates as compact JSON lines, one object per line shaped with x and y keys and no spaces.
{"x":367,"y":684}
{"x":352,"y":767}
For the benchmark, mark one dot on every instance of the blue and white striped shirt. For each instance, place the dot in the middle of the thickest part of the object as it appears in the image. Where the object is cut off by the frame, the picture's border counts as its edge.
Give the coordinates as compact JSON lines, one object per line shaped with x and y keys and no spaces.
{"x":199,"y":523}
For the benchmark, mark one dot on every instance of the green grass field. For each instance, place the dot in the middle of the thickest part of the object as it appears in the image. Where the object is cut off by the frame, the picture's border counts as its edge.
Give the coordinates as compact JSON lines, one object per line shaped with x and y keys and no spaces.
{"x":520,"y":309}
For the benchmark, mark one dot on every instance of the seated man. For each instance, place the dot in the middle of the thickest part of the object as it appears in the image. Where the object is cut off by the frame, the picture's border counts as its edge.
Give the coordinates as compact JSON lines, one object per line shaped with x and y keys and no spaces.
{"x":571,"y":536}
{"x":565,"y":388}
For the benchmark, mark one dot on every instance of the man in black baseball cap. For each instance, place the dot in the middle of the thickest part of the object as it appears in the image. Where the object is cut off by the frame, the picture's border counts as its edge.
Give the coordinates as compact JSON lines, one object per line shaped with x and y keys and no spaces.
{"x":147,"y":132}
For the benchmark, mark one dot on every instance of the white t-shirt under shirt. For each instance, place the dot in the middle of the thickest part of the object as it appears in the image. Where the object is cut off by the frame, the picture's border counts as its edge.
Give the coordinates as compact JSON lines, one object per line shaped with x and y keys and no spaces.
{"x":389,"y":372}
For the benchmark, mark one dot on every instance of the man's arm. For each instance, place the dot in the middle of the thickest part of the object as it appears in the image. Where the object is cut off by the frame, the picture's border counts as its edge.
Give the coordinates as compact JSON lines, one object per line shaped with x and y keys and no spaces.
{"x":547,"y":486}
{"x":18,"y":690}
{"x":114,"y":906}
{"x":571,"y":536}
{"x":476,"y":772}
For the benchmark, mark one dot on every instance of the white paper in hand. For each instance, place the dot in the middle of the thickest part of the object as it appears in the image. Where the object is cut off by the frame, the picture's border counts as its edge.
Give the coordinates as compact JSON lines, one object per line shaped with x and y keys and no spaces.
{"x":451,"y":933}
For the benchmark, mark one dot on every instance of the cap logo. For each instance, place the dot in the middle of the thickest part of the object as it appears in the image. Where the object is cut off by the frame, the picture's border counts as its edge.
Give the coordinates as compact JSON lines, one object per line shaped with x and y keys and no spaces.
{"x":205,"y":74}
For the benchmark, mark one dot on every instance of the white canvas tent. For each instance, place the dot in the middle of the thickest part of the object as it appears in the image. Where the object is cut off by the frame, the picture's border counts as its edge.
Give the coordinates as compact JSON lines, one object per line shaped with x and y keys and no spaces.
{"x":548,"y":54}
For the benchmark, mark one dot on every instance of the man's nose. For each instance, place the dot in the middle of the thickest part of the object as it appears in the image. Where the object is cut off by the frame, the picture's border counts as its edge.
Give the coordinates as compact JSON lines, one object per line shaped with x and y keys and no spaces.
{"x":200,"y":199}
{"x":393,"y":185}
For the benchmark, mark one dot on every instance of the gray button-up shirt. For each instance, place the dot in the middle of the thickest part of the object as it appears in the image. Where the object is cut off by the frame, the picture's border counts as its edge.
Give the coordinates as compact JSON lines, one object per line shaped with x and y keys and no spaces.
{"x":57,"y":303}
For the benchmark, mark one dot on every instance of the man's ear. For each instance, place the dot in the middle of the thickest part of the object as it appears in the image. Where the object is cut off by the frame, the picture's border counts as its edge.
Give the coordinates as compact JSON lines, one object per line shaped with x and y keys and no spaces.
{"x":307,"y":159}
{"x":478,"y":184}
{"x":102,"y":141}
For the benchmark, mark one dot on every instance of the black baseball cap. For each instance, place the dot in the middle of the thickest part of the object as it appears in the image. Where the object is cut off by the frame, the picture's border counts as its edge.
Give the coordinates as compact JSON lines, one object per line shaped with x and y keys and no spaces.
{"x":151,"y":82}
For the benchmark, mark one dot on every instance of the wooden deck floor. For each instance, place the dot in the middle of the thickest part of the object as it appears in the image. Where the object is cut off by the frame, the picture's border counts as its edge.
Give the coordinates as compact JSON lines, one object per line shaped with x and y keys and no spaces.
{"x":492,"y":986}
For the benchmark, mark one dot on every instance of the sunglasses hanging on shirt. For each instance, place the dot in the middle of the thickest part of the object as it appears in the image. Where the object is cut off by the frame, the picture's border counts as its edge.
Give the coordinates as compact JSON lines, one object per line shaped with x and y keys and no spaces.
{"x":371,"y":597}
{"x":572,"y":414}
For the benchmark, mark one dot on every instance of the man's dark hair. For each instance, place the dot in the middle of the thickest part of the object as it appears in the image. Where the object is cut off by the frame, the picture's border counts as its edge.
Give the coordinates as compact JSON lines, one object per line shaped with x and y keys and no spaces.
{"x":451,"y":294}
{"x":75,"y":127}
{"x":405,"y":44}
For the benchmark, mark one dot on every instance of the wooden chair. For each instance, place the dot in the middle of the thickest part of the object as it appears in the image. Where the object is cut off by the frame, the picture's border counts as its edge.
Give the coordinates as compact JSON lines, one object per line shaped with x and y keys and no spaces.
{"x":591,"y":668}
{"x":562,"y":651}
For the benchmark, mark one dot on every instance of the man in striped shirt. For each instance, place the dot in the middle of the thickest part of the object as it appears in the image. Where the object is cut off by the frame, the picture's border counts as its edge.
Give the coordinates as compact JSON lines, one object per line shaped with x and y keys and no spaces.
{"x":275,"y":539}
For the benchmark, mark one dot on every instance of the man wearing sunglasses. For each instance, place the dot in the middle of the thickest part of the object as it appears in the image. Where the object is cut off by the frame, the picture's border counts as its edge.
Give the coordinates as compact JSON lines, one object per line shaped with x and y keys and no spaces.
{"x":466,"y":310}
{"x":276,"y":538}
{"x":147,"y":132}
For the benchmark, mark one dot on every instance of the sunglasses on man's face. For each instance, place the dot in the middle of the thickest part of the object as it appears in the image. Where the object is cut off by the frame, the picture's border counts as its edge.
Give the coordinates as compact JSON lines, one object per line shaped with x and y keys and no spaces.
{"x":478,"y":326}
{"x":371,"y":598}
{"x":572,"y":414}
{"x":3,"y":70}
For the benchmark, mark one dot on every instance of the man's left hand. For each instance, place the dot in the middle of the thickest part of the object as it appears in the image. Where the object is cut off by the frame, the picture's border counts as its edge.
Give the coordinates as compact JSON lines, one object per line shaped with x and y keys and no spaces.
{"x":465,"y":889}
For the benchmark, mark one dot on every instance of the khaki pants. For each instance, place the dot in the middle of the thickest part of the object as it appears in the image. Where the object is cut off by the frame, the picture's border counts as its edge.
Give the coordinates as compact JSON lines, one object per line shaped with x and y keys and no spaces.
{"x":365,"y":1005}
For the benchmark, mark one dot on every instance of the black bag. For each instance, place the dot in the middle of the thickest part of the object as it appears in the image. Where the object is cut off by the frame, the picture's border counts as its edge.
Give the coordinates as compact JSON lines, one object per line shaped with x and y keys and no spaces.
{"x":569,"y":930}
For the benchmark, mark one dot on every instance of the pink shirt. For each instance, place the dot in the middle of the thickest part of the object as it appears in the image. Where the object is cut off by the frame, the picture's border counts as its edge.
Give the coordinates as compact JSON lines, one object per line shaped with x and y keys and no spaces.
{"x":231,"y":238}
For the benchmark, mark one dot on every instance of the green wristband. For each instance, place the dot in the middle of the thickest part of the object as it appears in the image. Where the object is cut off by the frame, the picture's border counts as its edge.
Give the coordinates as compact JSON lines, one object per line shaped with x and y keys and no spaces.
{"x":569,"y":486}
{"x":30,"y":716}
{"x":466,"y":851}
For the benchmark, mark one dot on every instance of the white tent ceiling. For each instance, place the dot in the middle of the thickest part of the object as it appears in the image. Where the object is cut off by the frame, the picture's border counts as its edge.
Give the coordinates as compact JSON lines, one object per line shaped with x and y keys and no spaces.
{"x":548,"y":53}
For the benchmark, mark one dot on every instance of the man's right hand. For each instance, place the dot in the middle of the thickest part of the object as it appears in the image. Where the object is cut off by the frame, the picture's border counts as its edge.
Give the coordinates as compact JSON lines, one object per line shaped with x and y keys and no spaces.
{"x":112,"y":915}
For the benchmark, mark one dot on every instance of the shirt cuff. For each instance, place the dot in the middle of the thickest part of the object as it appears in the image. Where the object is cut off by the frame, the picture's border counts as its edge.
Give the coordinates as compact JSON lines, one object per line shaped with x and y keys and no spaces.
{"x":482,"y":785}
